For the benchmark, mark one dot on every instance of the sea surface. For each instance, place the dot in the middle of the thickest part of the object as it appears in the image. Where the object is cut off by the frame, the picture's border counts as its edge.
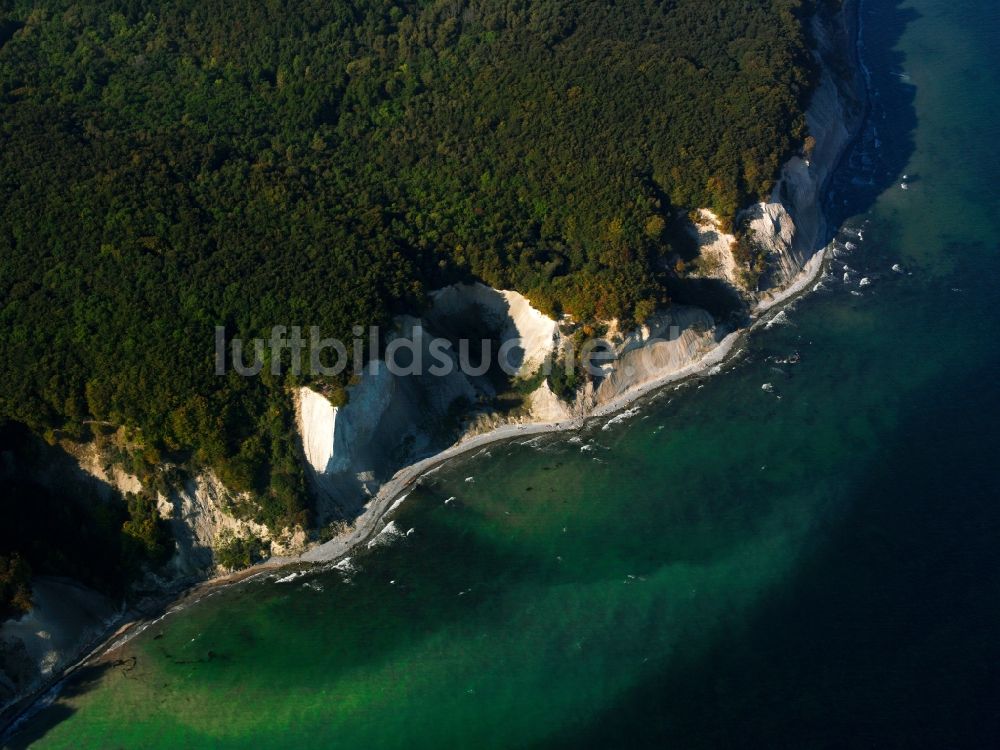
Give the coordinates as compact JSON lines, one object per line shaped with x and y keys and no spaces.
{"x":810,"y":564}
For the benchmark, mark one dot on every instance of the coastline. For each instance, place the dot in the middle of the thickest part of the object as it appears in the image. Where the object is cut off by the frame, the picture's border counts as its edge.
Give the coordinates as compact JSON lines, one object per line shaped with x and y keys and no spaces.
{"x":103,"y":648}
{"x":389,"y":495}
{"x":377,"y":513}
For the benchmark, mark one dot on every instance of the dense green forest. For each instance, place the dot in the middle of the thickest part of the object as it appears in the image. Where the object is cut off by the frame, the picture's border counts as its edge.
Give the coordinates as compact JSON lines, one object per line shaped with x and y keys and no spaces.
{"x":165,"y":168}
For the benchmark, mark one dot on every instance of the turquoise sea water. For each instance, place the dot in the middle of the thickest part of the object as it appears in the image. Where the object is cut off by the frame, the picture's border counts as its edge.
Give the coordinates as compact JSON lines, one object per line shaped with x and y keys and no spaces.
{"x":815,"y":566}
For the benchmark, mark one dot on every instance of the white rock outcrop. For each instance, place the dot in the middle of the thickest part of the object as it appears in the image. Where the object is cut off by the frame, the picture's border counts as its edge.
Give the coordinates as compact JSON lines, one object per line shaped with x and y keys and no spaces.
{"x":199,"y":513}
{"x":546,"y":406}
{"x":393,"y":417}
{"x":317,"y":422}
{"x":715,"y":249}
{"x":669,"y":342}
{"x":392,"y":420}
{"x":509,"y":313}
{"x":791,"y":226}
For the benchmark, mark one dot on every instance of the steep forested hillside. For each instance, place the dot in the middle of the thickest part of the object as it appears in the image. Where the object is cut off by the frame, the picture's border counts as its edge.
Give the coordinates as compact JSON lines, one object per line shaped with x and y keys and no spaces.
{"x":52,"y":523}
{"x":166,"y":167}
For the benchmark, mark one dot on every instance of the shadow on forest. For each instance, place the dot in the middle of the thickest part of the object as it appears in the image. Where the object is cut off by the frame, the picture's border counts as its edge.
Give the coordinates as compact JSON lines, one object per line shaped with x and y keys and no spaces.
{"x":714,"y":295}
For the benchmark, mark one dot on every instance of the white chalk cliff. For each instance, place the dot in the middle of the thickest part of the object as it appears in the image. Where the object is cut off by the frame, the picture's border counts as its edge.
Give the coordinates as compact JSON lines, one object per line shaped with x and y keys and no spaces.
{"x":792,"y":225}
{"x":317,"y":419}
{"x":198,"y":511}
{"x":670,"y":341}
{"x":390,"y":421}
{"x":509,"y":313}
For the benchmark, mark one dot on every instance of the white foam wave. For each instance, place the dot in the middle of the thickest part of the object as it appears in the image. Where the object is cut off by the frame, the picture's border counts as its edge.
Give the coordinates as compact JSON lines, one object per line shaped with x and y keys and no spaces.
{"x":399,"y":501}
{"x":627,"y":414}
{"x":386,"y":536}
{"x":781,"y":319}
{"x":346,"y":566}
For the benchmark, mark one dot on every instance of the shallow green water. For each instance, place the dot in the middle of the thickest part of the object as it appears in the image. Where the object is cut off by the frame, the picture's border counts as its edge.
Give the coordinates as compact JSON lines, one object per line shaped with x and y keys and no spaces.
{"x":812,"y":567}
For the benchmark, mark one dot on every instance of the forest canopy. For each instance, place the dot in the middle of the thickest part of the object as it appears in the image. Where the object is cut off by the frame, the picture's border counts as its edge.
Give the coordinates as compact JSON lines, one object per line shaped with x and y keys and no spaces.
{"x":167,"y":167}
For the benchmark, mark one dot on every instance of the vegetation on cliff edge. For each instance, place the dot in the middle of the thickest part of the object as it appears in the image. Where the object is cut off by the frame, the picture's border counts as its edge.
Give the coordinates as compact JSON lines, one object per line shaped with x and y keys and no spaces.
{"x":168,"y":168}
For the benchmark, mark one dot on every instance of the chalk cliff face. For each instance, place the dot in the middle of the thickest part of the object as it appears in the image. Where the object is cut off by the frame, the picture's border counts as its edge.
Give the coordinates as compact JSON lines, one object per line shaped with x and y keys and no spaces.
{"x":715,"y":249}
{"x":317,"y":422}
{"x":393,"y":418}
{"x":507,"y":313}
{"x":391,"y":421}
{"x":669,"y":341}
{"x":791,"y":225}
{"x":198,"y":512}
